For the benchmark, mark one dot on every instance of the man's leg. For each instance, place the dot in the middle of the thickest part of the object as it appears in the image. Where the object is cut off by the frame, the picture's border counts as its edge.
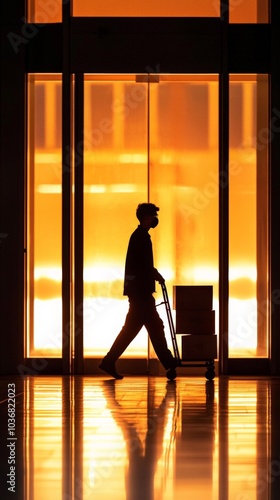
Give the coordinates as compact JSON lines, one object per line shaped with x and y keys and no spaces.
{"x":133,"y":324}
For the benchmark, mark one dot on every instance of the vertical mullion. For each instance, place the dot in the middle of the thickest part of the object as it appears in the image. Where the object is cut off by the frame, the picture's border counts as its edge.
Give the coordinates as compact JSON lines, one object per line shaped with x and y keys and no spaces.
{"x":223,"y":194}
{"x":78,"y":224}
{"x":66,"y":254}
{"x":66,"y":193}
{"x":274,"y":196}
{"x":148,"y":138}
{"x":148,"y":192}
{"x":223,"y":244}
{"x":262,"y":226}
{"x":29,"y":343}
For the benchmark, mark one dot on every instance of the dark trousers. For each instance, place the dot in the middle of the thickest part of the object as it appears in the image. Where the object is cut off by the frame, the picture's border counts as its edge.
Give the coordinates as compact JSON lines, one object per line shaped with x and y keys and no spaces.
{"x":142,"y":312}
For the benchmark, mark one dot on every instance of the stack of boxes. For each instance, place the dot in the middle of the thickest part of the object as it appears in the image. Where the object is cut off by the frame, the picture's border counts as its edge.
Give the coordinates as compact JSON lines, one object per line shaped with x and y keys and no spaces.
{"x":195,"y":322}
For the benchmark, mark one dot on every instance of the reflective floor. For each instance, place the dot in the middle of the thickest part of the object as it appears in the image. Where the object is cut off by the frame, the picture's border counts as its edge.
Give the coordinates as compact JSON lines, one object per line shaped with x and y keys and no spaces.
{"x":78,"y":438}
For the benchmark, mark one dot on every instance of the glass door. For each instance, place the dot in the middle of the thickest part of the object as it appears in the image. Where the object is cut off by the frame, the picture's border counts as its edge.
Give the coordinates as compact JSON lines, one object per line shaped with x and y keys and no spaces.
{"x":44,"y":218}
{"x":249,"y":308}
{"x":147,"y":138}
{"x":115,"y":181}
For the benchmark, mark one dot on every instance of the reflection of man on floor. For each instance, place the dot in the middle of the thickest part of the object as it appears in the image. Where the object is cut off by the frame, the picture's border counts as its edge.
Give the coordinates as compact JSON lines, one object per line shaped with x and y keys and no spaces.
{"x":142,"y":458}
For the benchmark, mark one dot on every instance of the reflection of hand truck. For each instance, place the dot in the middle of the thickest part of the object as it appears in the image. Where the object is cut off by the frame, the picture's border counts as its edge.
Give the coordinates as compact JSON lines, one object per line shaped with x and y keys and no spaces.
{"x":209,"y":363}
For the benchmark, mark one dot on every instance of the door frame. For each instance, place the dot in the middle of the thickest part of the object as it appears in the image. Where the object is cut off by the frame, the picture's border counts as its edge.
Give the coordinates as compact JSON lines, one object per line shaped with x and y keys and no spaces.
{"x":72,"y":321}
{"x":225,"y":364}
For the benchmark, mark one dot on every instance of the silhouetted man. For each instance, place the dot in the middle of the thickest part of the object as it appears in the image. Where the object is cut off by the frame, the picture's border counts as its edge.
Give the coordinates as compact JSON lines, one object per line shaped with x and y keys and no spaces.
{"x":139,"y":286}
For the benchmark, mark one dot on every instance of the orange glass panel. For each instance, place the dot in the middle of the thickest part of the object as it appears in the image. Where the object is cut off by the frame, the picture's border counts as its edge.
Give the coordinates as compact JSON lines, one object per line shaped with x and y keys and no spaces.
{"x":118,"y":176}
{"x":184,"y":179}
{"x":50,"y":11}
{"x":115,"y":181}
{"x":146,"y":8}
{"x":122,"y":165}
{"x":164,"y":148}
{"x":44,"y":11}
{"x":248,"y":217}
{"x":251,"y":11}
{"x":44,"y":261}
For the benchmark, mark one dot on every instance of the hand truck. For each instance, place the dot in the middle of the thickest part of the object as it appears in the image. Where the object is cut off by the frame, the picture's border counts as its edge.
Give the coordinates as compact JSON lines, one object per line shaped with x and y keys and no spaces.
{"x":209,"y":364}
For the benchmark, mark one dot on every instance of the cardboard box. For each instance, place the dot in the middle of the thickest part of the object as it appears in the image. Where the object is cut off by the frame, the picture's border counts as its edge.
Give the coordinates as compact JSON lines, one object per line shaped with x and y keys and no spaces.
{"x":195,"y":322}
{"x":199,"y":347}
{"x":193,"y":297}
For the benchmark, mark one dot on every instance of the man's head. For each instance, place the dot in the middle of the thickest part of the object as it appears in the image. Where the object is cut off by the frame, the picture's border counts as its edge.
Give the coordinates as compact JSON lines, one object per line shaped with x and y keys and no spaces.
{"x":147,"y":215}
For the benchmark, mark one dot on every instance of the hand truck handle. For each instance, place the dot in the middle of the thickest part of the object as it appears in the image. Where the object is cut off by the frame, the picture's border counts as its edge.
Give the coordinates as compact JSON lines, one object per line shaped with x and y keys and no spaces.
{"x":171,"y":324}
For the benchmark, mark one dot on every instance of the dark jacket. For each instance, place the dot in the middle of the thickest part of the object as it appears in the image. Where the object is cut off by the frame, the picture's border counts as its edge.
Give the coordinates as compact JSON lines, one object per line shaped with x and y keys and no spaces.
{"x":139,"y":279}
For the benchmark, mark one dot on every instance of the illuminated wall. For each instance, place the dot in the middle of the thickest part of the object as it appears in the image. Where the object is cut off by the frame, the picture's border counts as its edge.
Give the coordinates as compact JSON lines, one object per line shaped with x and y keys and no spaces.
{"x":139,"y":148}
{"x":251,"y":11}
{"x":248,"y":216}
{"x":44,"y":212}
{"x":156,"y":141}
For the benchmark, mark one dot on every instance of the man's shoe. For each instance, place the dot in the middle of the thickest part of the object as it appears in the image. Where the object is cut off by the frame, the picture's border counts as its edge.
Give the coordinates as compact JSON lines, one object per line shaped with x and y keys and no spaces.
{"x":110,"y":369}
{"x":171,"y":374}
